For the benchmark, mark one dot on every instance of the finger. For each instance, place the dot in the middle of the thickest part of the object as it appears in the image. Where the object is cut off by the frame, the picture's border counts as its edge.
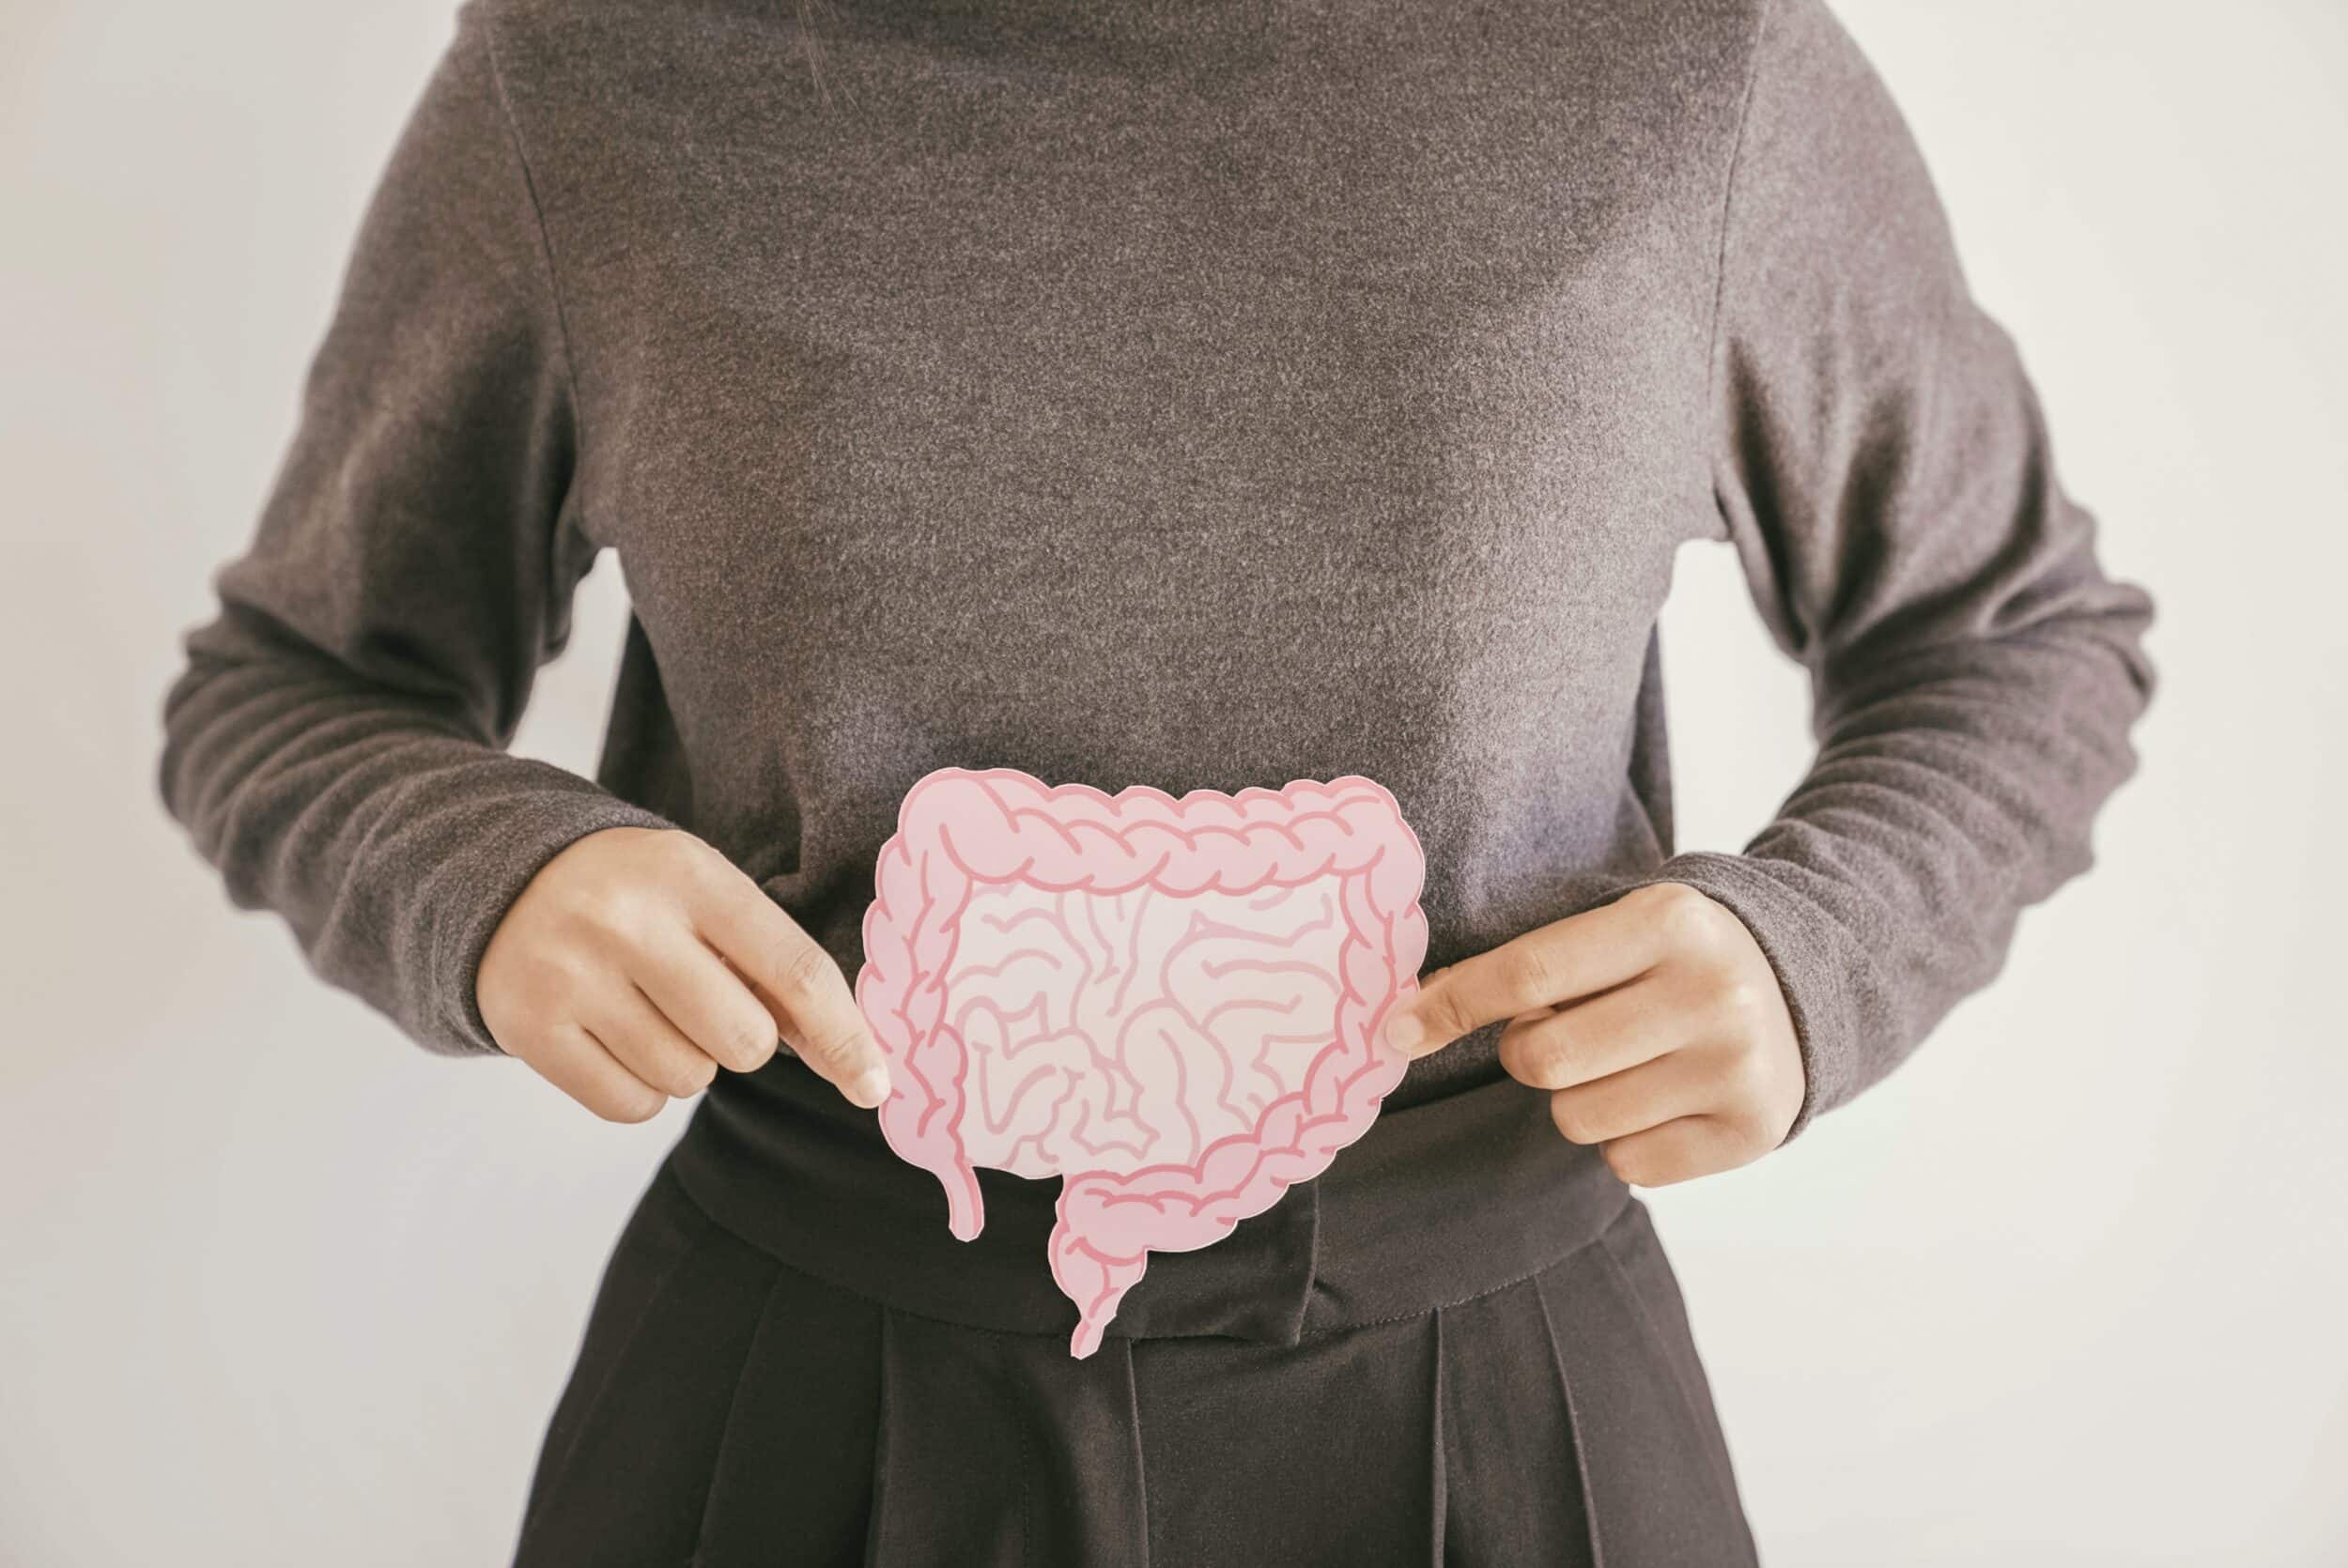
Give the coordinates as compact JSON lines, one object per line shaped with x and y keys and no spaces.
{"x":1632,"y":1101}
{"x":798,"y":978}
{"x":702,"y":995}
{"x":571,"y":1058}
{"x":1557,"y":962}
{"x":1606,"y":1034}
{"x":1678,"y":1150}
{"x":648,"y":1043}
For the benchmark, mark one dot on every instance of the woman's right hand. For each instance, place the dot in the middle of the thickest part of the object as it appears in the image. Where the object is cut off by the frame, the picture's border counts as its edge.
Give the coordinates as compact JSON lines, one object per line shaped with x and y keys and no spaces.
{"x":639,"y":961}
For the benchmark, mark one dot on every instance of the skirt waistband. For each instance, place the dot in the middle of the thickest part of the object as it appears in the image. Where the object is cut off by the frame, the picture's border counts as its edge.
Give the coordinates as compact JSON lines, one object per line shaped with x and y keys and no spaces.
{"x":1438,"y":1203}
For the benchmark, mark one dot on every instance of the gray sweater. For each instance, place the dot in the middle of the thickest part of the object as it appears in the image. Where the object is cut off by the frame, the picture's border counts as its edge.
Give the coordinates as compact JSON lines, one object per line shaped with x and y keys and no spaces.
{"x":1198,"y":394}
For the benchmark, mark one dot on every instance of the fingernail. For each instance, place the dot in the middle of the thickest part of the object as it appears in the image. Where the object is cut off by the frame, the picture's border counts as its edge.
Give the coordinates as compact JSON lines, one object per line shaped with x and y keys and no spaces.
{"x":870,"y":1087}
{"x":1403,"y":1031}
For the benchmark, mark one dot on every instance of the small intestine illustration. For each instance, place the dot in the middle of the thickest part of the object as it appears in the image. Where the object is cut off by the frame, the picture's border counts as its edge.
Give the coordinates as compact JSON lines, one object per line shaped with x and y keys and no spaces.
{"x":1170,"y":1004}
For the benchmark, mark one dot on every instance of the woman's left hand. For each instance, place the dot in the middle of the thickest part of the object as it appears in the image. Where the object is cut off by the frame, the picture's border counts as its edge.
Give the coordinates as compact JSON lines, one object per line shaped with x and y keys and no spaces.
{"x":1655,"y":1021}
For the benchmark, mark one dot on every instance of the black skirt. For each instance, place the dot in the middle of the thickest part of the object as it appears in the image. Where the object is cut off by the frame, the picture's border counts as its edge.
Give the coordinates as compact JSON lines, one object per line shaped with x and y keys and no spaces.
{"x":1462,"y":1346}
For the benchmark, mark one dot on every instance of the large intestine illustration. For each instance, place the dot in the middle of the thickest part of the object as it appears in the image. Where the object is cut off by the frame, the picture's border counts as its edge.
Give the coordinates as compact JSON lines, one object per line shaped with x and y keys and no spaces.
{"x":1170,"y":1004}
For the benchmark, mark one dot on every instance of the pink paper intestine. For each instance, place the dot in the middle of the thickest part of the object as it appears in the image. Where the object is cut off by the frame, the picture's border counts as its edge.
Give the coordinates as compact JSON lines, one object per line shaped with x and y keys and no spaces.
{"x":957,"y":830}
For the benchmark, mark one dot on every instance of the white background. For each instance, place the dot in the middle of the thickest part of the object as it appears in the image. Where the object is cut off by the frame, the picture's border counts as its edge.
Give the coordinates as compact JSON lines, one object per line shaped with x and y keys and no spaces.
{"x":2072,"y":1288}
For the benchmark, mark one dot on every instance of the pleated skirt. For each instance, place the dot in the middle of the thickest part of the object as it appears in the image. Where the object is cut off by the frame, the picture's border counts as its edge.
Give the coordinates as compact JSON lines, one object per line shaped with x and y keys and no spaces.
{"x":738,"y":1402}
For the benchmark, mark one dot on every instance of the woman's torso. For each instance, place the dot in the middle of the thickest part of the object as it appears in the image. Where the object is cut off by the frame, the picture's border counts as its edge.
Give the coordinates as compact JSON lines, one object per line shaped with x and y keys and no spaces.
{"x":1198,"y":395}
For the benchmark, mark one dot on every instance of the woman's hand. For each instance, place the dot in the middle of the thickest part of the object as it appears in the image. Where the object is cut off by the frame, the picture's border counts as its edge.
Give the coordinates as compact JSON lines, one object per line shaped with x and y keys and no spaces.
{"x":1655,"y":1019}
{"x":639,"y":961}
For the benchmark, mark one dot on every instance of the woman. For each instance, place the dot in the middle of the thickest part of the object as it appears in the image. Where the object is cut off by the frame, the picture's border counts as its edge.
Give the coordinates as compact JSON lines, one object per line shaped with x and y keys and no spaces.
{"x":1197,"y":394}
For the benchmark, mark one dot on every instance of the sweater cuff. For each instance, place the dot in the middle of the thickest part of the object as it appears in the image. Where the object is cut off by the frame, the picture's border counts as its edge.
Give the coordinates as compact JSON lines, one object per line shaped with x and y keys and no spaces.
{"x":1812,"y":956}
{"x":474,"y":883}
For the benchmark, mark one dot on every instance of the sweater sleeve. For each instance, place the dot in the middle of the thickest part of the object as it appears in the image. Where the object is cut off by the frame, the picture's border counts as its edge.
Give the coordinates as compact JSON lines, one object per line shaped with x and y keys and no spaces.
{"x":335,"y":743}
{"x":1883,"y":467}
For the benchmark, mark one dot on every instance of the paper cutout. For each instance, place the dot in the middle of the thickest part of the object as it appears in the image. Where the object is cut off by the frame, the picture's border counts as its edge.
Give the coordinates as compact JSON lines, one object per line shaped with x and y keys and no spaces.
{"x":1171,"y":1003}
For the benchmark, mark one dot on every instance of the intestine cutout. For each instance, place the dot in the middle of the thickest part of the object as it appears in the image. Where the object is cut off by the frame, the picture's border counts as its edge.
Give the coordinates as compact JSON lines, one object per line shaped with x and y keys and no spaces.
{"x":1170,"y":1004}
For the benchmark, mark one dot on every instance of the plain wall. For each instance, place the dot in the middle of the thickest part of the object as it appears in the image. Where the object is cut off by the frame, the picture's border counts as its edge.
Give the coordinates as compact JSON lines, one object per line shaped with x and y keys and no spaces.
{"x":2069,"y":1289}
